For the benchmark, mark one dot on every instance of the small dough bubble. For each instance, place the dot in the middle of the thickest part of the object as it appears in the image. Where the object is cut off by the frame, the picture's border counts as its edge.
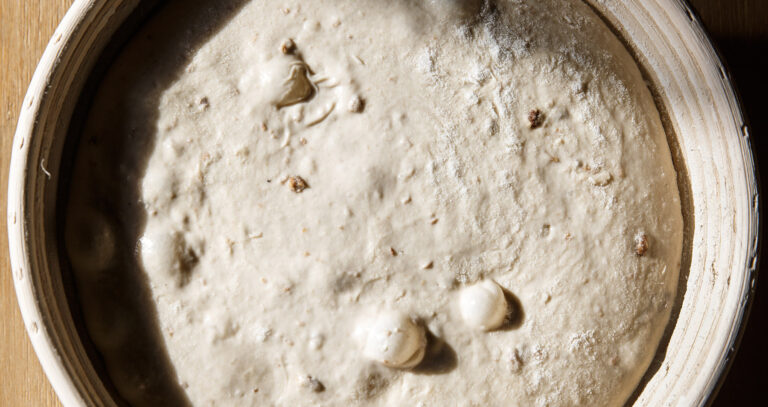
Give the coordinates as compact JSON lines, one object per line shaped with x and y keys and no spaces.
{"x":483,"y":305}
{"x":356,"y":104}
{"x":168,"y":254}
{"x":395,"y":340}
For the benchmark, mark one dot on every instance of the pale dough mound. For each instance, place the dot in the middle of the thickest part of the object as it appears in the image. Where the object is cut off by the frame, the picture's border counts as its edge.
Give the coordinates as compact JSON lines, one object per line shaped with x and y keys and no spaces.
{"x":320,"y":175}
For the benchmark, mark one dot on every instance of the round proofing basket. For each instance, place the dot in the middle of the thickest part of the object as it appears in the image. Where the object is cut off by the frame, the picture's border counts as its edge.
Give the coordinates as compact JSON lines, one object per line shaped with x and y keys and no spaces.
{"x":705,"y":127}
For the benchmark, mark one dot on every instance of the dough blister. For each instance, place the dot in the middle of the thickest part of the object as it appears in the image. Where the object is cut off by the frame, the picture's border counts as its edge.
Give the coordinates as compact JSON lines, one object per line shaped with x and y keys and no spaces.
{"x":483,"y":305}
{"x":395,"y":340}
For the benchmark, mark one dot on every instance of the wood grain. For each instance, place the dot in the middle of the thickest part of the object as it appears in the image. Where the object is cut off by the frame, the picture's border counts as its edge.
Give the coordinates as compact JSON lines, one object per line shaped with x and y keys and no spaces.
{"x":743,"y":19}
{"x":25,"y":27}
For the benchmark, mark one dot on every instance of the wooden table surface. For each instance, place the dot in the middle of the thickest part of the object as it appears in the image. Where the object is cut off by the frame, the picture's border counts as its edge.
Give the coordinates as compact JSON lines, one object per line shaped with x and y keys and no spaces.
{"x":739,"y":27}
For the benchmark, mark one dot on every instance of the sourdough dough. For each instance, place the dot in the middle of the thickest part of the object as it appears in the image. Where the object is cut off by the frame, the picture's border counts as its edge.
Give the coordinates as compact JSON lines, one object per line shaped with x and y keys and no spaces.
{"x":316,"y":193}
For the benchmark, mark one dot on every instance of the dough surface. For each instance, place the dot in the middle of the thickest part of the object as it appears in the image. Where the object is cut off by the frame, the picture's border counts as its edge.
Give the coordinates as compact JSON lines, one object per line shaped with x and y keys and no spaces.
{"x":281,"y":174}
